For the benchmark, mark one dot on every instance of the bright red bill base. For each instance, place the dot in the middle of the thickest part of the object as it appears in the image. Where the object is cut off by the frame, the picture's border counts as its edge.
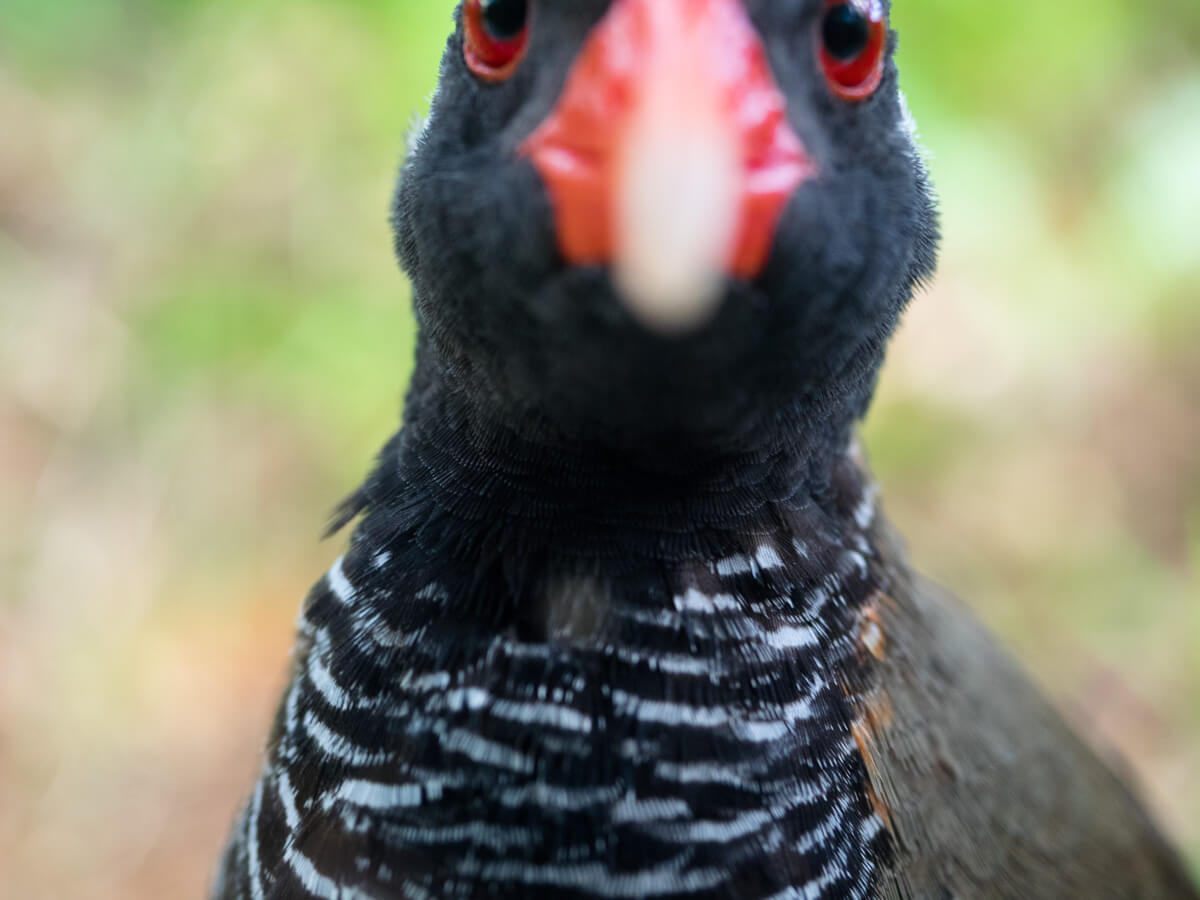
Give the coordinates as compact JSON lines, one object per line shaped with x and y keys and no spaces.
{"x":578,"y":149}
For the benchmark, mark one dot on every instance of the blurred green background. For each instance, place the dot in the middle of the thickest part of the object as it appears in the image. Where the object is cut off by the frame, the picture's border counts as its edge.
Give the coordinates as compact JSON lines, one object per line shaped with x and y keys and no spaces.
{"x":204,"y":339}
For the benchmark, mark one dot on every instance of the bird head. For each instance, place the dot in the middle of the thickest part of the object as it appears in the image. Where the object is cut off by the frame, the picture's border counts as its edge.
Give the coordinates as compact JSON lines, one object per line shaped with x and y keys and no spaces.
{"x":639,"y":220}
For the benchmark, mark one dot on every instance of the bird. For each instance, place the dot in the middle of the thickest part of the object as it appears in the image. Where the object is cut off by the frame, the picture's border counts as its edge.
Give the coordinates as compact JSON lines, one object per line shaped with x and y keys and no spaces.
{"x":621,"y":615}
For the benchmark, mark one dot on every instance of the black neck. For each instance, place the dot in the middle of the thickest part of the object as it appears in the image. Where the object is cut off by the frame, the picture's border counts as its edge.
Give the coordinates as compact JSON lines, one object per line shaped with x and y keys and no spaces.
{"x":457,"y":476}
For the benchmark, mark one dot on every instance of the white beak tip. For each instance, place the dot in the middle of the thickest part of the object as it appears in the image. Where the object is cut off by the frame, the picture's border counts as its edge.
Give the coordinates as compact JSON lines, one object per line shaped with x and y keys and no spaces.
{"x":679,"y":193}
{"x":668,"y":300}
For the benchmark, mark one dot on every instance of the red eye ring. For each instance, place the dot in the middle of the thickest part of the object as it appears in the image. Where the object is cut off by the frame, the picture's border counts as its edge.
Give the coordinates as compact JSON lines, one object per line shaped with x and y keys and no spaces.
{"x":853,"y":43}
{"x":491,"y":56}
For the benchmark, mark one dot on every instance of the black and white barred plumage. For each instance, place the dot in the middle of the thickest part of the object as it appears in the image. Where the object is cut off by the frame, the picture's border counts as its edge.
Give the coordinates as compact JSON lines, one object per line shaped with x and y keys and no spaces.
{"x":683,"y":732}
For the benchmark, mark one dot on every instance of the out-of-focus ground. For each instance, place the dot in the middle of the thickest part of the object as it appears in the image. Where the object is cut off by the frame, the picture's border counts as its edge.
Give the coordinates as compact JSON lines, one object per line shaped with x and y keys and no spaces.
{"x":203,"y":339}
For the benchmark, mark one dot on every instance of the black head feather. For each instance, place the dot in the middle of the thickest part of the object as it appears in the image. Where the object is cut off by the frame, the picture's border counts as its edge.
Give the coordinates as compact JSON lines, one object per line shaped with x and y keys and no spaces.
{"x":529,"y":355}
{"x":532,"y":339}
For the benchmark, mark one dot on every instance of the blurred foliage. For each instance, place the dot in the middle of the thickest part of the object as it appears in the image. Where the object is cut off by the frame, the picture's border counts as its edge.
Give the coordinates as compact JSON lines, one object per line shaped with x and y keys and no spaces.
{"x":204,"y":339}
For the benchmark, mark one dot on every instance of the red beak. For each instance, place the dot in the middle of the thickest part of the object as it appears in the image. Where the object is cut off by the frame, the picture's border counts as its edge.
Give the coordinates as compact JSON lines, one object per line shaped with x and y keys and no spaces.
{"x":669,"y":155}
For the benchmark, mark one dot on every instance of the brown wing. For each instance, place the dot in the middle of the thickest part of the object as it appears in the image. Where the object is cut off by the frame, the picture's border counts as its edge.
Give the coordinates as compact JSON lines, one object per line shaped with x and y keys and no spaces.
{"x":987,"y":791}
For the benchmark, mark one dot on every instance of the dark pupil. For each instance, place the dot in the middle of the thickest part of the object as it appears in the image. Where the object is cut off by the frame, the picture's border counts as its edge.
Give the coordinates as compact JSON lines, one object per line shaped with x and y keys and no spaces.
{"x":845,"y":31}
{"x":505,"y":19}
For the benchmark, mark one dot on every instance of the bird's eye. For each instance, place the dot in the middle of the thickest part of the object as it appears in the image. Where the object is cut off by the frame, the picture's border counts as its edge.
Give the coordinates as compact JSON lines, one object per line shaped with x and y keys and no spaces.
{"x":496,"y":36}
{"x":853,"y":43}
